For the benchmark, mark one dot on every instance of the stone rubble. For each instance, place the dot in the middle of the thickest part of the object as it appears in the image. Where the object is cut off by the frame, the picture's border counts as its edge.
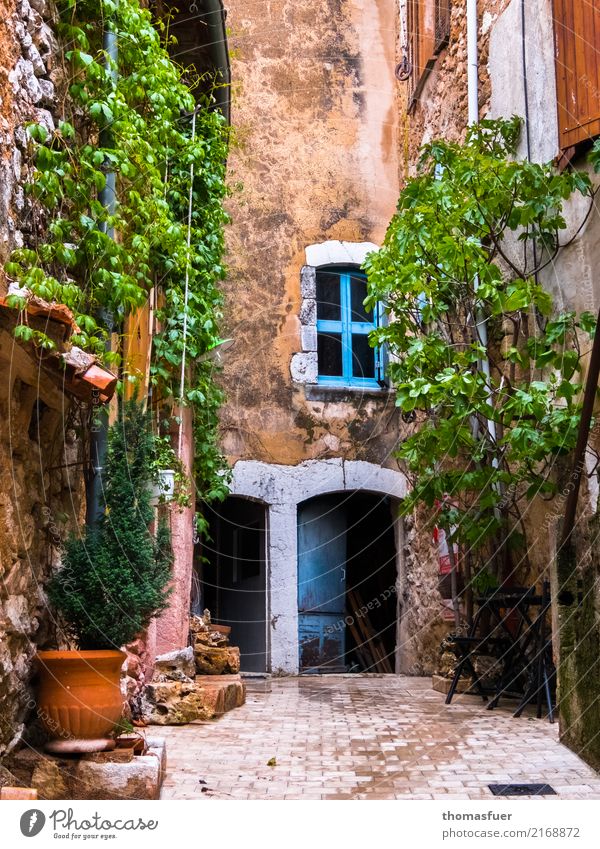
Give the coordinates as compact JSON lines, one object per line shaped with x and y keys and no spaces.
{"x":199,"y":682}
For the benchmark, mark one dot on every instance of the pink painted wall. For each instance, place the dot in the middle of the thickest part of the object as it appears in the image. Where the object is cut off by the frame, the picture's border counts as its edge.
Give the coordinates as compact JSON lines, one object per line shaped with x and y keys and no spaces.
{"x":173,"y":625}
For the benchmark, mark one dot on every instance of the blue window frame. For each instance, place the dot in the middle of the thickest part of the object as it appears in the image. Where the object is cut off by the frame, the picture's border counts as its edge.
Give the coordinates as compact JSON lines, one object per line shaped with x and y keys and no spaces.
{"x":345,"y":357}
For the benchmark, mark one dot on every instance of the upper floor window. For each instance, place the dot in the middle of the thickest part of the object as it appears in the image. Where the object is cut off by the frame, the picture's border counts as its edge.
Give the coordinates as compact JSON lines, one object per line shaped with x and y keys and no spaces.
{"x":344,"y":355}
{"x":427,"y":33}
{"x":577,"y":70}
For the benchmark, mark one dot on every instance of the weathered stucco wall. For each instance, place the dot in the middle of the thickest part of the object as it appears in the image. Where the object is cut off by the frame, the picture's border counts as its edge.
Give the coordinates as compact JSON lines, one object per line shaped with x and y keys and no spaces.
{"x":314,"y":111}
{"x":315,"y":114}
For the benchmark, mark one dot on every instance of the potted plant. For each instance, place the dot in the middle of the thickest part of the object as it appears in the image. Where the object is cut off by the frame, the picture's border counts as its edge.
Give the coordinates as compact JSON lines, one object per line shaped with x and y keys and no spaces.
{"x":168,"y":480}
{"x":112,"y":582}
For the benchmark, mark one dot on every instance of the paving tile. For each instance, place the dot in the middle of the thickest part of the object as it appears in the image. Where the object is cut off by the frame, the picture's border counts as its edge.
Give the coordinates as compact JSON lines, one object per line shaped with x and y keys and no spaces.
{"x":367,"y":737}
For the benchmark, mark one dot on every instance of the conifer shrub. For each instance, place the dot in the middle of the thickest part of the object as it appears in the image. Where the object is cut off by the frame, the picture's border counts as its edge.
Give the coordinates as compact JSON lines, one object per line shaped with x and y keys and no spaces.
{"x":114,"y":576}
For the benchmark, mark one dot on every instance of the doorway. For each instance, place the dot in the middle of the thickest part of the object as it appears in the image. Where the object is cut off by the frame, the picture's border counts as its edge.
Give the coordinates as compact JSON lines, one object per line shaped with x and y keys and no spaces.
{"x":231,"y":569}
{"x":347,"y":606}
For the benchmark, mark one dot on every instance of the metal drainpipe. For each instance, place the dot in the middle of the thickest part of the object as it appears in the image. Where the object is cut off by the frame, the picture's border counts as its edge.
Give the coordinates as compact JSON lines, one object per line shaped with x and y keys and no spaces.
{"x":217,"y":42}
{"x":108,"y":199}
{"x":473,"y":116}
{"x":472,"y":62}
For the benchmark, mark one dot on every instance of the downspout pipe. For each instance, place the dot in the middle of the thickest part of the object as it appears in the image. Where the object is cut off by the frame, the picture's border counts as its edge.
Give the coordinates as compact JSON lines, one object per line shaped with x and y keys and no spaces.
{"x":217,"y":40}
{"x":108,"y":198}
{"x":472,"y":62}
{"x":473,"y":118}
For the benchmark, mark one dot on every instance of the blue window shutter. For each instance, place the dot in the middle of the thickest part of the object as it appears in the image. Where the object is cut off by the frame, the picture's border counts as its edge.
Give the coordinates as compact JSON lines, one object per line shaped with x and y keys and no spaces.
{"x":381,"y":352}
{"x":348,"y":329}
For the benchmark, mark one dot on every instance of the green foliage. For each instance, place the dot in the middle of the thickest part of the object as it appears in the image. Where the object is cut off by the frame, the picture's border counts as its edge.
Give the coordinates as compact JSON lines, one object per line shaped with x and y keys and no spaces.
{"x":132,"y":123}
{"x":113,"y":578}
{"x":473,"y":230}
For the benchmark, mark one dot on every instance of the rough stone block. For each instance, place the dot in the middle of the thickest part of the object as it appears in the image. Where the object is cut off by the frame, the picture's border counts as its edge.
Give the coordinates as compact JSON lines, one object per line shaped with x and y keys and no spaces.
{"x":308,"y":312}
{"x":222,"y":693}
{"x":211,"y":660}
{"x":308,"y":336}
{"x":139,"y":779}
{"x":173,"y":703}
{"x":308,"y":282}
{"x":175,"y":665}
{"x":442,"y":685}
{"x":304,"y":367}
{"x":176,"y":704}
{"x":51,"y":779}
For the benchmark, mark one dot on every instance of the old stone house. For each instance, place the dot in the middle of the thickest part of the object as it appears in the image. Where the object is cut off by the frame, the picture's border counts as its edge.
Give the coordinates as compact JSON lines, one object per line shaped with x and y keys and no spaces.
{"x":43,"y":399}
{"x":464,"y":60}
{"x":311,"y":532}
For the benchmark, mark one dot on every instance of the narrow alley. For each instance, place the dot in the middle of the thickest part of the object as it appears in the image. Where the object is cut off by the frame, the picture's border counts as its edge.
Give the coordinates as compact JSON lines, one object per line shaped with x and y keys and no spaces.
{"x":367,"y":737}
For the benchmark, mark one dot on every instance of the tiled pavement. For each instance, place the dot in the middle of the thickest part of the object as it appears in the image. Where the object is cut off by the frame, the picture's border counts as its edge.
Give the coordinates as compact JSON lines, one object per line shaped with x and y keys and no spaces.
{"x":366,"y":737}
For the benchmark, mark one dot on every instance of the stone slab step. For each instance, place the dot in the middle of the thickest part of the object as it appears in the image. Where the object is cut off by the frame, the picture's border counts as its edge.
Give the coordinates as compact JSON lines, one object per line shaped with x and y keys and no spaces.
{"x":203,"y":698}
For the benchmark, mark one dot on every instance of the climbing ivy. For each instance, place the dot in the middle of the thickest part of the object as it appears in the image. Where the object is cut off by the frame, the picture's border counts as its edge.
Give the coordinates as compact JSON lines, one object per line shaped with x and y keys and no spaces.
{"x":132,"y":119}
{"x":474,"y":230}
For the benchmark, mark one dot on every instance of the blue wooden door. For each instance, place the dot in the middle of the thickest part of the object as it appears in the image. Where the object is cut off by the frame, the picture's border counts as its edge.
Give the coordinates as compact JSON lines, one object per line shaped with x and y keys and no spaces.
{"x":321,"y":585}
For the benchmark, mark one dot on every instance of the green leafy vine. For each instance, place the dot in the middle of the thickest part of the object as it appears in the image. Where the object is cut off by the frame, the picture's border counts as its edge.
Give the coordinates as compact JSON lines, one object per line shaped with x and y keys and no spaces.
{"x":133,"y":120}
{"x":484,"y":366}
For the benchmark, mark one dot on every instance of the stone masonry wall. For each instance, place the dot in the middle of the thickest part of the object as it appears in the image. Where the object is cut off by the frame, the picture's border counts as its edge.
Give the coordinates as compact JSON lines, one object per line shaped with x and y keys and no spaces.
{"x":441,"y":110}
{"x":517,"y":75}
{"x":39,"y":493}
{"x":29,"y":74}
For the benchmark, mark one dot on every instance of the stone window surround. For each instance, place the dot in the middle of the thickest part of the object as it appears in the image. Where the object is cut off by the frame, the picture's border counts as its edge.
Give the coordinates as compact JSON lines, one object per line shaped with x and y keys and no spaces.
{"x":304,"y":365}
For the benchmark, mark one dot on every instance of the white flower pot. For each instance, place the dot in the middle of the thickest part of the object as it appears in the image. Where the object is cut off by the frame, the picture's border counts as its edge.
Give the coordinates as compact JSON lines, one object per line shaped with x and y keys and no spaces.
{"x":163,"y":490}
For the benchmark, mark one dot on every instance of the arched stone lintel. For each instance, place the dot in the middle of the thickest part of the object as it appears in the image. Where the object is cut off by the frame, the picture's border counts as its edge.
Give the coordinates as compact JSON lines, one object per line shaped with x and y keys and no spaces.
{"x":277,"y":484}
{"x":334,"y":252}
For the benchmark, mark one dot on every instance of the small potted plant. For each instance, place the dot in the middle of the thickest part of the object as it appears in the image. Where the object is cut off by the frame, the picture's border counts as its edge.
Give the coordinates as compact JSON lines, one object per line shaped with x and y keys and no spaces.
{"x":169,"y":481}
{"x":162,"y":472}
{"x":112,"y":582}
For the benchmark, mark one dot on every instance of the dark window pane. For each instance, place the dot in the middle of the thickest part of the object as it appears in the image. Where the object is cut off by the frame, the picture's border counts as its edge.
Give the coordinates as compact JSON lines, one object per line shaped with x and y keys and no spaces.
{"x":329,"y":352}
{"x":363,"y":357}
{"x":358,"y":292}
{"x":328,"y":296}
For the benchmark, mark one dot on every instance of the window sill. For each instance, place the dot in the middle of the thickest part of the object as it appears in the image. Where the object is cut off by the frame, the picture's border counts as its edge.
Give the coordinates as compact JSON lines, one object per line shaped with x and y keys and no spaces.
{"x":322,"y":392}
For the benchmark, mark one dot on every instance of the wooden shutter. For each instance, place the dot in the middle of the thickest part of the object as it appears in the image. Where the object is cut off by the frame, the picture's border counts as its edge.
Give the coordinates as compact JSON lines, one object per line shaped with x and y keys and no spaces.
{"x":442,"y":23}
{"x":577,"y":48}
{"x":428,"y":31}
{"x":412,"y":32}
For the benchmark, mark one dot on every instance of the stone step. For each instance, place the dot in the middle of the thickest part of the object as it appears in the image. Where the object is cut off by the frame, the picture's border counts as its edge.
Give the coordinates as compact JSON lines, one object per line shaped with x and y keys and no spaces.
{"x":203,"y":698}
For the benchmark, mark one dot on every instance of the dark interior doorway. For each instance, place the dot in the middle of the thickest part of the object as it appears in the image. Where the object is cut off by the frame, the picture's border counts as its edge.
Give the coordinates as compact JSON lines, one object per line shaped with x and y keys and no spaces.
{"x":232,"y":577}
{"x":347,"y":607}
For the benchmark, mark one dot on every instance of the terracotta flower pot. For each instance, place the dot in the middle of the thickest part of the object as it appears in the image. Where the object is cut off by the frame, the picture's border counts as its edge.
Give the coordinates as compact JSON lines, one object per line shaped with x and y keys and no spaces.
{"x":79,"y":698}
